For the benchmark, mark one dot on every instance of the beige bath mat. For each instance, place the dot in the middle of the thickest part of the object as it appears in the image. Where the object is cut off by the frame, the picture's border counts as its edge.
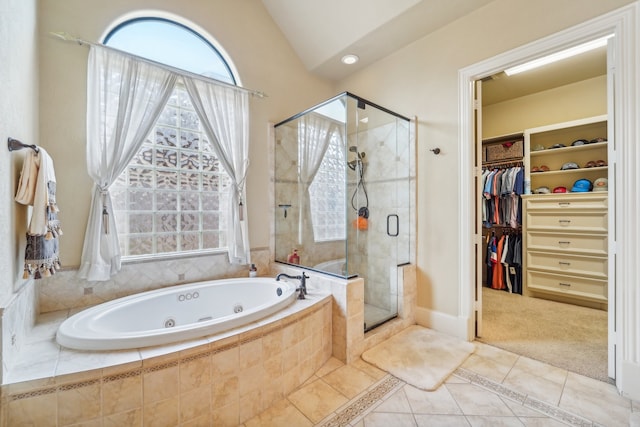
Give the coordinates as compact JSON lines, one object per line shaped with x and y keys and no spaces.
{"x":419,"y":356}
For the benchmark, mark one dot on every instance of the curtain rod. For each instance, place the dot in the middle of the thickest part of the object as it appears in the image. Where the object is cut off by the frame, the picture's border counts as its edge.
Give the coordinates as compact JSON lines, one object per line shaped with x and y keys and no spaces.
{"x":69,"y":38}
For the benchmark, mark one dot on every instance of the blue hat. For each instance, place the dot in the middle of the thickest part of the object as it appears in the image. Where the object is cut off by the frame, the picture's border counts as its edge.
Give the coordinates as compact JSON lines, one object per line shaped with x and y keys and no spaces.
{"x":582,"y":186}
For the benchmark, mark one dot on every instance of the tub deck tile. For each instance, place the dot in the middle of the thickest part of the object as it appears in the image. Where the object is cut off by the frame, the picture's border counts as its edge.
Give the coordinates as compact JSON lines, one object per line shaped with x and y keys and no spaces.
{"x":142,"y":372}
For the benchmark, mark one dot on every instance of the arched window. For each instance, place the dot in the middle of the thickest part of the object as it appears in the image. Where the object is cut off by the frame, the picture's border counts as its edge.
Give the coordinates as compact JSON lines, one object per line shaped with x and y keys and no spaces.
{"x":172,"y":197}
{"x":170,"y":43}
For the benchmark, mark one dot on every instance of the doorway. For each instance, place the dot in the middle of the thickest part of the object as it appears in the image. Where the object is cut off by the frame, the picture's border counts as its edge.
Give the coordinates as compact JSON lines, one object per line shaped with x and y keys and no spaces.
{"x":544,"y":326}
{"x":608,"y":24}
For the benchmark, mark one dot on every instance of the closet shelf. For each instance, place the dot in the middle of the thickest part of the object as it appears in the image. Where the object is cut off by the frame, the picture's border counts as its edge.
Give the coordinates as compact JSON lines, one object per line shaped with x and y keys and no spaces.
{"x":568,"y":150}
{"x":581,"y":171}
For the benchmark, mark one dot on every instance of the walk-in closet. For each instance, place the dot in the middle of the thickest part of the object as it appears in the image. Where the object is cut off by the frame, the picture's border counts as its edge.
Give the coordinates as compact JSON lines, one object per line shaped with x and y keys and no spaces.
{"x":544,"y":203}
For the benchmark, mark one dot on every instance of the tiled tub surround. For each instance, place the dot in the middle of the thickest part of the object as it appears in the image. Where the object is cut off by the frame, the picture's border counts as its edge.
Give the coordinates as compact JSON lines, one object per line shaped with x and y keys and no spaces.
{"x":224,"y":379}
{"x":349,"y":339}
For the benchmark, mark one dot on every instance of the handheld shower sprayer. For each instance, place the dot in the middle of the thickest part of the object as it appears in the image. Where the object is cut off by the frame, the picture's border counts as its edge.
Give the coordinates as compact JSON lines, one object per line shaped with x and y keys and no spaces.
{"x":353,"y":163}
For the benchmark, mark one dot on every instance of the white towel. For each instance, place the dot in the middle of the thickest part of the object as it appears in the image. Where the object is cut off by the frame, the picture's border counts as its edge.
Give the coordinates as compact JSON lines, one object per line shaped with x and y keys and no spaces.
{"x":33,"y":189}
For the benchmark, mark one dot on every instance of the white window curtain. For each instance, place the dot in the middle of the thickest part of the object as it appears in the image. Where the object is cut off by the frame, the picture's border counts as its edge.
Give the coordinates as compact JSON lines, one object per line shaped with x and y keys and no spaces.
{"x":224,"y":115}
{"x":314,"y":135}
{"x":125,"y":96}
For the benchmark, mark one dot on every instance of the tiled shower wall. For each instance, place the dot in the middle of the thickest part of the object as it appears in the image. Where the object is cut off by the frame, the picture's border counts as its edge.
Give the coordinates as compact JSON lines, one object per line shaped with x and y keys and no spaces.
{"x":390,"y":181}
{"x":286,"y":193}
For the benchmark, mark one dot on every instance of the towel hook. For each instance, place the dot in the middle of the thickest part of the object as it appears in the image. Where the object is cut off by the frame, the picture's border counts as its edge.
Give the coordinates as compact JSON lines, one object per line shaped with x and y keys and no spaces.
{"x":435,"y":151}
{"x":15,"y":145}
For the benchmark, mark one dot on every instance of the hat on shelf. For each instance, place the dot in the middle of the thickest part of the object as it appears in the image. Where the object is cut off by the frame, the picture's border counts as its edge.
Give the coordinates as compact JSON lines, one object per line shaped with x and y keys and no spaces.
{"x":558,"y":146}
{"x":543,"y":168}
{"x":538,"y":147}
{"x":582,"y":186}
{"x":593,"y":141}
{"x":542,"y":190}
{"x":601,"y":184}
{"x":570,"y":165}
{"x":560,"y":190}
{"x":595,"y":164}
{"x":578,"y":142}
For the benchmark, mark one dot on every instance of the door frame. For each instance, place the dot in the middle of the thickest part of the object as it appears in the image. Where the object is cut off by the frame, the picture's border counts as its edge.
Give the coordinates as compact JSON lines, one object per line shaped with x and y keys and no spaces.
{"x":626,"y":124}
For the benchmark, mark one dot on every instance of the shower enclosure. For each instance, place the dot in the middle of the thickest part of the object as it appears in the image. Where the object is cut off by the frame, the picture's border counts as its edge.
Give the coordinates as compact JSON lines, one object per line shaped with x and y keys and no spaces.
{"x":343,"y":196}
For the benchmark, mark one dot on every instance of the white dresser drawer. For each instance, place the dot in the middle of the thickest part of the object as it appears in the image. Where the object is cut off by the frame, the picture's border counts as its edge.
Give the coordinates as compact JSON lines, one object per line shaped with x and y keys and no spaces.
{"x":570,"y":286}
{"x":568,"y":201}
{"x":595,"y":221}
{"x":587,"y":244}
{"x":596,"y":267}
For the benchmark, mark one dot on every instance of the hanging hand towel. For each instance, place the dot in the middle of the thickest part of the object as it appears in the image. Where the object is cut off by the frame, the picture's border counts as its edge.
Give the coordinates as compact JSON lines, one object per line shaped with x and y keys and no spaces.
{"x":37,"y":187}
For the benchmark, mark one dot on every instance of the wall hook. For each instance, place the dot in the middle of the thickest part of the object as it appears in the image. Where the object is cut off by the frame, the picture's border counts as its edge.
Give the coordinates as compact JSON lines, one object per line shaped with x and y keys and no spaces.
{"x":14,"y":145}
{"x":285,"y":207}
{"x":436,"y":151}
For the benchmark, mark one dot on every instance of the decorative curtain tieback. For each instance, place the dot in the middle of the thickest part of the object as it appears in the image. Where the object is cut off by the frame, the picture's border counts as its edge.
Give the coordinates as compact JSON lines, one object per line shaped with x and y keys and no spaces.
{"x":105,"y":212}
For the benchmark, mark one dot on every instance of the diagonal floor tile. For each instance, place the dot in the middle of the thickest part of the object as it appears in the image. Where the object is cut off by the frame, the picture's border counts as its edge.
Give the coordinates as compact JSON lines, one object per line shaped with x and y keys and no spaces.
{"x":474,"y":400}
{"x":349,"y":380}
{"x":282,"y":413}
{"x":397,"y":403}
{"x":438,"y":401}
{"x":317,"y":400}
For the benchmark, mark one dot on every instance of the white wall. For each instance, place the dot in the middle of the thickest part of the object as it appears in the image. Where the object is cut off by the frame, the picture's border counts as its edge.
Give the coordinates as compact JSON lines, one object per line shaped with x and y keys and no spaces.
{"x":19,"y":118}
{"x":422,"y":80}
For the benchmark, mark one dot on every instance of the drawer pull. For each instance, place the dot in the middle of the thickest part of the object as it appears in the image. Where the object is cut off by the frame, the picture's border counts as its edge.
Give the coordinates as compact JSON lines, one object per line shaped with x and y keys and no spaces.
{"x":564,"y":221}
{"x":564,"y":204}
{"x":567,"y":242}
{"x":565,"y":284}
{"x":564,"y":263}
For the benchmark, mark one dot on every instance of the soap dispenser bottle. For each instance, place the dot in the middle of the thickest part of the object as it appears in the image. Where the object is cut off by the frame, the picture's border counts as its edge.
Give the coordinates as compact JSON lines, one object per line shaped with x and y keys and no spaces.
{"x":253,"y":271}
{"x":294,"y":258}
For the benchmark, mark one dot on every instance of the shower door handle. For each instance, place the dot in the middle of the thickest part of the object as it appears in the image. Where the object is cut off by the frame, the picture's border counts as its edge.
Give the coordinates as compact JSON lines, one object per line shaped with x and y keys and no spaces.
{"x":397,"y":225}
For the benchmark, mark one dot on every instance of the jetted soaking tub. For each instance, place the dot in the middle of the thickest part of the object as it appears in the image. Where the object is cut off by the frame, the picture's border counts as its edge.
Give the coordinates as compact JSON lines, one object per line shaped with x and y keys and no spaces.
{"x":174,"y":314}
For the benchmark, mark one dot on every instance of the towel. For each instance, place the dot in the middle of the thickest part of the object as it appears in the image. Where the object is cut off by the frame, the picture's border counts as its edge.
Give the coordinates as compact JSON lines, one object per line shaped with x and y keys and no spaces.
{"x":37,"y":187}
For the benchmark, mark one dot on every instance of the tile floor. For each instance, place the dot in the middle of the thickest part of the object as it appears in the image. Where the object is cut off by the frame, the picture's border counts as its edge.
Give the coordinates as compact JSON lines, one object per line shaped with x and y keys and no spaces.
{"x":492,"y":388}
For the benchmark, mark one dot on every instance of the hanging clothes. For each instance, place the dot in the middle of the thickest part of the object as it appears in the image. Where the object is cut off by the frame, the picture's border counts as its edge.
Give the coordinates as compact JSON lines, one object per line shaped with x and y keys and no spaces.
{"x":502,"y":188}
{"x":504,"y":261}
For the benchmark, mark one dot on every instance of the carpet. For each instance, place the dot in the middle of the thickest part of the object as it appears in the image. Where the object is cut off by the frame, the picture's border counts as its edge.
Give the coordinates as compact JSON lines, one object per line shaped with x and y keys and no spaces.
{"x":563,"y":335}
{"x":419,"y":356}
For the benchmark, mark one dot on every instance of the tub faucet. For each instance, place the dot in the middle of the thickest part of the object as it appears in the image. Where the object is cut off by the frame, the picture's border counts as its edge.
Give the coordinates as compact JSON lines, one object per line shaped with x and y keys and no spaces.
{"x":303,"y":284}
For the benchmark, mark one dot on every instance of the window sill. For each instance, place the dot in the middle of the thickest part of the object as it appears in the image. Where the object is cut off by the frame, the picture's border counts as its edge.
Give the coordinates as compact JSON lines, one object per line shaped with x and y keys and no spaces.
{"x":139,"y":259}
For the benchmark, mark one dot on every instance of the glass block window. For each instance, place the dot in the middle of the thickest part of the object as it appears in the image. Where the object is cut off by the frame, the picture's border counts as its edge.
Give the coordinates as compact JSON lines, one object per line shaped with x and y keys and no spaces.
{"x":327,"y":194}
{"x":172,"y":196}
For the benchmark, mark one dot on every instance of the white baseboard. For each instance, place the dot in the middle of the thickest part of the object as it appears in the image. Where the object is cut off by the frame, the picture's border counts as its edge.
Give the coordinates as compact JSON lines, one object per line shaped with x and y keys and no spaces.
{"x":630,"y":380}
{"x":445,"y":323}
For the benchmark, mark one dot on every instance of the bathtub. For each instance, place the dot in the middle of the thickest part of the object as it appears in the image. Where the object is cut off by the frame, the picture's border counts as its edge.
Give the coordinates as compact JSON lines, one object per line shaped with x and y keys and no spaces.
{"x":334,"y":266}
{"x":174,"y":314}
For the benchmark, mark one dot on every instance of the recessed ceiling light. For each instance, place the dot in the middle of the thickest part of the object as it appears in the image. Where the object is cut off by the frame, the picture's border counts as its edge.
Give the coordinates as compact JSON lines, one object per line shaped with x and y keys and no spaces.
{"x":350,"y":59}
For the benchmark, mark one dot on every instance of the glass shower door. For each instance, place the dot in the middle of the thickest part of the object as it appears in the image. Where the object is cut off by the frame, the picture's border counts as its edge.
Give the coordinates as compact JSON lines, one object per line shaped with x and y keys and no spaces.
{"x":378,"y":188}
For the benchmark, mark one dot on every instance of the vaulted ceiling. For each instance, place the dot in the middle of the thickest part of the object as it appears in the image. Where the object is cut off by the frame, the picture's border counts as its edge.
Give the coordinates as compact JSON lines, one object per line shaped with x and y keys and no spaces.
{"x":322,"y":32}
